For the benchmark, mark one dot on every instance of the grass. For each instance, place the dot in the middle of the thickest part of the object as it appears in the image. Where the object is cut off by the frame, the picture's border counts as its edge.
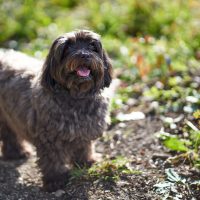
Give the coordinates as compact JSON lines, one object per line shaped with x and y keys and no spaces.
{"x":107,"y":170}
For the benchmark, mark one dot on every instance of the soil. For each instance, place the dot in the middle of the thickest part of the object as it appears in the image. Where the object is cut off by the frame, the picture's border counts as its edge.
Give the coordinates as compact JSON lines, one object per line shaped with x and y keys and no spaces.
{"x":135,"y":140}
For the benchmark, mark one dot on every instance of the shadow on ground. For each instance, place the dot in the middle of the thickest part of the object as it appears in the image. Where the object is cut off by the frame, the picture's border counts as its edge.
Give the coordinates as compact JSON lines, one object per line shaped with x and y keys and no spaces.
{"x":22,"y":179}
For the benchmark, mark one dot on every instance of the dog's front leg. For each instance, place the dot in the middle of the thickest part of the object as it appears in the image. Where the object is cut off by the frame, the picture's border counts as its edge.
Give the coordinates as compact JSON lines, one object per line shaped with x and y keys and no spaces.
{"x":83,"y":154}
{"x":53,"y":167}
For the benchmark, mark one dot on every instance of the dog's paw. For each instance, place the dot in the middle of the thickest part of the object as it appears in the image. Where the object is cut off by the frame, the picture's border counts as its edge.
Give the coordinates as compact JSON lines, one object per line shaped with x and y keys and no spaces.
{"x":16,"y":155}
{"x":85,"y":163}
{"x":53,"y":183}
{"x":98,"y":157}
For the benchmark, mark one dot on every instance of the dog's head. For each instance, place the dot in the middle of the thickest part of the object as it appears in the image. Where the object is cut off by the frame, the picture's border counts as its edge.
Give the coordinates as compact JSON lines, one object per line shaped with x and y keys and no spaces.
{"x":78,"y":63}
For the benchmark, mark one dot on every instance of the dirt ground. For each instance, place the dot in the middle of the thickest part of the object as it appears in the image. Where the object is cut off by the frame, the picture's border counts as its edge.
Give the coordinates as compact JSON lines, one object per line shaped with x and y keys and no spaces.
{"x":135,"y":140}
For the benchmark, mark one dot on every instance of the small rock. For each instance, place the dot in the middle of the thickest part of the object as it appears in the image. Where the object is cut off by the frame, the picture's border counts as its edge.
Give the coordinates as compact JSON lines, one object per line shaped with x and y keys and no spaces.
{"x":131,"y":102}
{"x":59,"y":193}
{"x":131,"y":116}
{"x":122,"y":183}
{"x":192,"y":99}
{"x":122,"y":125}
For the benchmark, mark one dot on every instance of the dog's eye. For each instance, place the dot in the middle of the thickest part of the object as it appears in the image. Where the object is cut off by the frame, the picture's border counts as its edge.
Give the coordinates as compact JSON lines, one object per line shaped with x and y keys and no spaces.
{"x":93,"y":47}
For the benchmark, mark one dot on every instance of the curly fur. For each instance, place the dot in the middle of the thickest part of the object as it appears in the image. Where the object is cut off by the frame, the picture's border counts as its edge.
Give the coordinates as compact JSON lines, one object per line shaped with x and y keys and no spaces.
{"x":52,"y":107}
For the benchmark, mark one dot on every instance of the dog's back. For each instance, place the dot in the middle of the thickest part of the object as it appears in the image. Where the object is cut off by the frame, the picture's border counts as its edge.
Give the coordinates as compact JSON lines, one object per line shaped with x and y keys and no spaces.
{"x":17,"y":65}
{"x":17,"y":72}
{"x":18,"y":61}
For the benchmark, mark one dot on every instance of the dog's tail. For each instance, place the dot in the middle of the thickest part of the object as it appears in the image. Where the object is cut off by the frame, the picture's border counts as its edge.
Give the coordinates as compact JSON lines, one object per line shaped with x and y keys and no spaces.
{"x":109,"y":93}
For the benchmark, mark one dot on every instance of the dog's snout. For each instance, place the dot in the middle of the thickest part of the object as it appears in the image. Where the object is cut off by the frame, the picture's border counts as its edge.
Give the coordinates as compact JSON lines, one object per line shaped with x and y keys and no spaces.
{"x":84,"y":54}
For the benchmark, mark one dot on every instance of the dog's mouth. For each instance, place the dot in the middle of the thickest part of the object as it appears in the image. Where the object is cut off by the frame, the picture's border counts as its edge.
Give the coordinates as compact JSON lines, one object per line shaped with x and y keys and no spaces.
{"x":83,"y":72}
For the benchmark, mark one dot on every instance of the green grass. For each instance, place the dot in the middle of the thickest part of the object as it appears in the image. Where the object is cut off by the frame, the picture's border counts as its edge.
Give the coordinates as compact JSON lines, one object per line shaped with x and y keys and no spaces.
{"x":107,"y":170}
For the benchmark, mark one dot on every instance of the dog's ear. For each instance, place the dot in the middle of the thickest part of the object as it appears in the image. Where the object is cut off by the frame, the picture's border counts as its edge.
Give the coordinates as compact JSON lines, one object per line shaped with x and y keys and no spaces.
{"x":52,"y":62}
{"x":108,"y":71}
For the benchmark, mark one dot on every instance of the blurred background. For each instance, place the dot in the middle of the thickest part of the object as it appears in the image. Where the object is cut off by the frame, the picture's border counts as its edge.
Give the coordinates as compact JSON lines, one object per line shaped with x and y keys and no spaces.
{"x":145,"y":37}
{"x":154,"y":45}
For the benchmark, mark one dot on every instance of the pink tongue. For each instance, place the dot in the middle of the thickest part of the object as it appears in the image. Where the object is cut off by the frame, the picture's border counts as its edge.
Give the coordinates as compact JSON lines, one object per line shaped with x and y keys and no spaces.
{"x":83,"y":71}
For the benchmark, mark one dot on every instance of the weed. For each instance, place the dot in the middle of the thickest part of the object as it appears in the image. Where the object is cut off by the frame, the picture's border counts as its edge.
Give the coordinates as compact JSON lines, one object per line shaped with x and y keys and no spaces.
{"x":107,"y":170}
{"x":188,"y":146}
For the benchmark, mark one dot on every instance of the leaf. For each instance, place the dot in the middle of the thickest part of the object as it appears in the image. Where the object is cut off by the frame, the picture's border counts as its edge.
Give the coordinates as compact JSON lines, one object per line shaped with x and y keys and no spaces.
{"x":163,"y":185}
{"x":175,"y":144}
{"x":163,"y":188}
{"x":197,"y":183}
{"x":144,"y":68}
{"x":170,"y":185}
{"x":197,"y":114}
{"x":173,"y":177}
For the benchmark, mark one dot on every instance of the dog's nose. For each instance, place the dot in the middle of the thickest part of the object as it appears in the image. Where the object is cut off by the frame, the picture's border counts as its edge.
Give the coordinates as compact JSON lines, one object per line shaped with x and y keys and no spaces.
{"x":84,"y":55}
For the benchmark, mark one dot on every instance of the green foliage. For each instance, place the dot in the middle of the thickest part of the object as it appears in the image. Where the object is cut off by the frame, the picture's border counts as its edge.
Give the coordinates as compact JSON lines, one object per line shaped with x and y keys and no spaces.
{"x":197,"y":114}
{"x":117,"y":21}
{"x":19,"y":19}
{"x":110,"y":170}
{"x":136,"y":17}
{"x":189,"y":144}
{"x":175,"y":144}
{"x":177,"y":94}
{"x":157,"y":23}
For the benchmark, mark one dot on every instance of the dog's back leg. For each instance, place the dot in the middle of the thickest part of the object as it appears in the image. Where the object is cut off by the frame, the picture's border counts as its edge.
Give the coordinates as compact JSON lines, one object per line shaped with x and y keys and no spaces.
{"x":12,"y":148}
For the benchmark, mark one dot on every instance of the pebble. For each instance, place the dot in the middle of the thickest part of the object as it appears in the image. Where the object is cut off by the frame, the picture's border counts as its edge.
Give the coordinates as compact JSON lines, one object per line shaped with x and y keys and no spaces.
{"x":59,"y":193}
{"x":122,"y":183}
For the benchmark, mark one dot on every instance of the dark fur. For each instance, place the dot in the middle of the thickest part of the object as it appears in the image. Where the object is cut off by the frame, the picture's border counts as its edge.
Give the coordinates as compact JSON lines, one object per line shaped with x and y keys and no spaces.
{"x":57,"y":111}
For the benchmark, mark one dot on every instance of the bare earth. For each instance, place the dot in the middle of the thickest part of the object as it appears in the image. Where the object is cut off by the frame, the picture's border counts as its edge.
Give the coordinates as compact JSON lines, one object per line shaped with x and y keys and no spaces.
{"x":21,"y":180}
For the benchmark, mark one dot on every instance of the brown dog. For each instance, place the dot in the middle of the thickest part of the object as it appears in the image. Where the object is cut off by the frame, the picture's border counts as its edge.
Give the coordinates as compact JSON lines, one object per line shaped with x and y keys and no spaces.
{"x":58,"y":108}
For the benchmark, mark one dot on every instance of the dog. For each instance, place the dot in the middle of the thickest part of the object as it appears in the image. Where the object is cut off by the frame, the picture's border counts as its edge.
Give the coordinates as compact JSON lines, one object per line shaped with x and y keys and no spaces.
{"x":58,"y":107}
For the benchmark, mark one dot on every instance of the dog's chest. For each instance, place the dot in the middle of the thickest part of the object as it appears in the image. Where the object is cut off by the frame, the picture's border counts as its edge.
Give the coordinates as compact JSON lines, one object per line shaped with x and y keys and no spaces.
{"x":84,"y":111}
{"x":68,"y":119}
{"x":85,"y":117}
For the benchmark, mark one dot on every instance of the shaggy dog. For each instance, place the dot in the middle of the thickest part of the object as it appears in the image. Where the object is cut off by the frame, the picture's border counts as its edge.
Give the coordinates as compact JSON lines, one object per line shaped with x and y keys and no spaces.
{"x":58,"y":108}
